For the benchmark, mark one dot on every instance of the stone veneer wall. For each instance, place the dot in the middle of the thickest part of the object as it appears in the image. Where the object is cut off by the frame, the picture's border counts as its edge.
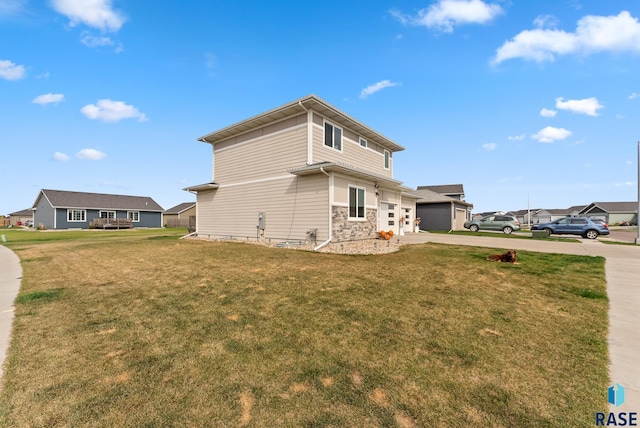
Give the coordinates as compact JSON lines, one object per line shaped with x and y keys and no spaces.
{"x":345,"y":230}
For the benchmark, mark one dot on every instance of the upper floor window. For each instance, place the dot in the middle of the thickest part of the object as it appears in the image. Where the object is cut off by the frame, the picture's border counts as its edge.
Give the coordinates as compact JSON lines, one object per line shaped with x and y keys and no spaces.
{"x":363,"y":142}
{"x":76,"y":215}
{"x":332,"y":136}
{"x":387,"y":159}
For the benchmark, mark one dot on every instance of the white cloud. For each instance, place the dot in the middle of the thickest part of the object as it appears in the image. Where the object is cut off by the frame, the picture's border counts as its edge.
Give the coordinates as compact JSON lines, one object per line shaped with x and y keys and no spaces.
{"x":551,"y":134}
{"x":60,"y":157}
{"x":48,"y":99}
{"x":94,"y":13}
{"x":112,"y":111}
{"x":634,"y":95}
{"x":588,"y":106}
{"x":545,"y":21}
{"x":11,"y":71}
{"x":620,"y":33}
{"x":516,"y":137}
{"x":625,"y":184}
{"x":489,"y":146}
{"x":372,"y":89}
{"x":12,"y":7}
{"x":447,"y":14}
{"x":90,"y":154}
{"x":95,"y":41}
{"x":545,"y":112}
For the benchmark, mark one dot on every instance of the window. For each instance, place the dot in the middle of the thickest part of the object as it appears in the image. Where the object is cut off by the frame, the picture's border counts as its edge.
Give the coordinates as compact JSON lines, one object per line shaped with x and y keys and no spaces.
{"x":356,"y":202}
{"x":387,"y":159}
{"x":363,"y":142}
{"x":76,"y":215}
{"x":332,"y":136}
{"x":134,"y":216}
{"x":108,"y":214}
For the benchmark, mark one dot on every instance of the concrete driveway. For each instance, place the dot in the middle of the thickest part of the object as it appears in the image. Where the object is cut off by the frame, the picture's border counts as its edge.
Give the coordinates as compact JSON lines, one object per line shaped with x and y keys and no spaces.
{"x":622,"y":269}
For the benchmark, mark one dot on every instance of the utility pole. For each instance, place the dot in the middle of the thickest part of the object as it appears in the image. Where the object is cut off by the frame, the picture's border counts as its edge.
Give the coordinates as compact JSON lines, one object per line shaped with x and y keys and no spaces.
{"x":528,"y":212}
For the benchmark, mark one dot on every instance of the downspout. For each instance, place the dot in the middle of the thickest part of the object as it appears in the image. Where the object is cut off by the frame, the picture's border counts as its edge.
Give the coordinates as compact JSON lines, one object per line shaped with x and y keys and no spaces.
{"x":325,"y":243}
{"x":197,"y":217}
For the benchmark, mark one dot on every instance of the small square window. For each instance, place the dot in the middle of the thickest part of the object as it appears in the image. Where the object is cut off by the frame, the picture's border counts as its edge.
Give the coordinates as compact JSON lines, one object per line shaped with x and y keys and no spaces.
{"x":363,"y":142}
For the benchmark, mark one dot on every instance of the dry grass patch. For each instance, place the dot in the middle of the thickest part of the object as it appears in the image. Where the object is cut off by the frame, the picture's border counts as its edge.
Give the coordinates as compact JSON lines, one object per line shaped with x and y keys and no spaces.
{"x":158,"y":332}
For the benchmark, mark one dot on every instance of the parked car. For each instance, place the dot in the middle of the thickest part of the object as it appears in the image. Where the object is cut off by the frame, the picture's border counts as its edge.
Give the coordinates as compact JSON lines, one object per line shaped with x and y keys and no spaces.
{"x":583,"y":226}
{"x":505,"y":223}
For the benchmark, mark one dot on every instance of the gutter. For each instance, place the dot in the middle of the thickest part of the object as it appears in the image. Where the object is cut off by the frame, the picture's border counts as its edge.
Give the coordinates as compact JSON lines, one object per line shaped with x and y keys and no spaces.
{"x":186,"y":236}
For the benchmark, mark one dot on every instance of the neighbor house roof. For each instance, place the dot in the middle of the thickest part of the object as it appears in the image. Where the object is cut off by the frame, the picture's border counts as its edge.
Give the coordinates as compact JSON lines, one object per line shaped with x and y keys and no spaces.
{"x":83,"y":200}
{"x":445,"y":189}
{"x":180,"y":208}
{"x":430,"y":197}
{"x":24,"y":212}
{"x":299,"y":106}
{"x":613,"y":207}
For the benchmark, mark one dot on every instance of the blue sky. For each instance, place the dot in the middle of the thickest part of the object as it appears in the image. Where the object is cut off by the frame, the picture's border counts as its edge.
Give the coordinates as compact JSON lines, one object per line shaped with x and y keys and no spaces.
{"x":517,"y":100}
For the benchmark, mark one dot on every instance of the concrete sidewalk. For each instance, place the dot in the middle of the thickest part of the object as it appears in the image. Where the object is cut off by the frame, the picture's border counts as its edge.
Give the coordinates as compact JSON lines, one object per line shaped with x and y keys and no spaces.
{"x":622,"y":270}
{"x":10,"y":275}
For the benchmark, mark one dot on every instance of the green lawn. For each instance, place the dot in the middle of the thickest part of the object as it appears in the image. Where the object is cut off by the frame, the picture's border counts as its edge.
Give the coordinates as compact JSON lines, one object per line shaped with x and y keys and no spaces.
{"x":143,"y":329}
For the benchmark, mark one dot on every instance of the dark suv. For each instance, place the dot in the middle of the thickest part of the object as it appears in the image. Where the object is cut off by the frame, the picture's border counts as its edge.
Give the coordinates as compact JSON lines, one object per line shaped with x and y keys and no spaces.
{"x":505,"y":223}
{"x":583,"y":226}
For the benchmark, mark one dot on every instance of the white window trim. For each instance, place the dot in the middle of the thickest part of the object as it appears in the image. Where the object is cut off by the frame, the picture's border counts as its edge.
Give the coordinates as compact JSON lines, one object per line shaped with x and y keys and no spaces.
{"x":364,"y":218}
{"x":70,"y":216}
{"x":324,"y":130}
{"x":387,"y":160}
{"x":133,"y":220}
{"x":361,"y":140}
{"x":107,"y":211}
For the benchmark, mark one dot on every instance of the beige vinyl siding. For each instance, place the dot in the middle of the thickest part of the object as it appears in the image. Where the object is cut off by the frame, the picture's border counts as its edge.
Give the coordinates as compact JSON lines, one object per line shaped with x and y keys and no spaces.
{"x":263,"y":157}
{"x":292,"y":205}
{"x":352,"y":154}
{"x":389,"y":196}
{"x":341,"y":191}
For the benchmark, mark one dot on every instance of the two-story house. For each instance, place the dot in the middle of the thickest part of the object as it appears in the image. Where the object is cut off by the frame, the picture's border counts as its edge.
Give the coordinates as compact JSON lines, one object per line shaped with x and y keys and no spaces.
{"x":302,"y":170}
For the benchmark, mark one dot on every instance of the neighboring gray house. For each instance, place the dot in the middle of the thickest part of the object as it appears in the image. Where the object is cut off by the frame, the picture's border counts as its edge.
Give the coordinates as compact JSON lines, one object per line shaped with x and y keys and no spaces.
{"x":304,"y":170}
{"x":612,"y":212}
{"x":20,"y":216}
{"x":440,"y":212}
{"x":455,"y":191}
{"x":60,"y":209}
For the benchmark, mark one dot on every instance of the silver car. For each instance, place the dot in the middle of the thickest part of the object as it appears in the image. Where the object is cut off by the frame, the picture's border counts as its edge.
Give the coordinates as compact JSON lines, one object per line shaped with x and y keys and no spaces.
{"x":505,"y":223}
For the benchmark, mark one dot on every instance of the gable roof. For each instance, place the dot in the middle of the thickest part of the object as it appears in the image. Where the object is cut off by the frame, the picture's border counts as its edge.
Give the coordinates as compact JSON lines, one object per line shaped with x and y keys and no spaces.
{"x":445,"y":189}
{"x":430,"y":197}
{"x":24,"y":212}
{"x":612,"y":207}
{"x":299,"y":106}
{"x":180,"y":208}
{"x":83,"y":200}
